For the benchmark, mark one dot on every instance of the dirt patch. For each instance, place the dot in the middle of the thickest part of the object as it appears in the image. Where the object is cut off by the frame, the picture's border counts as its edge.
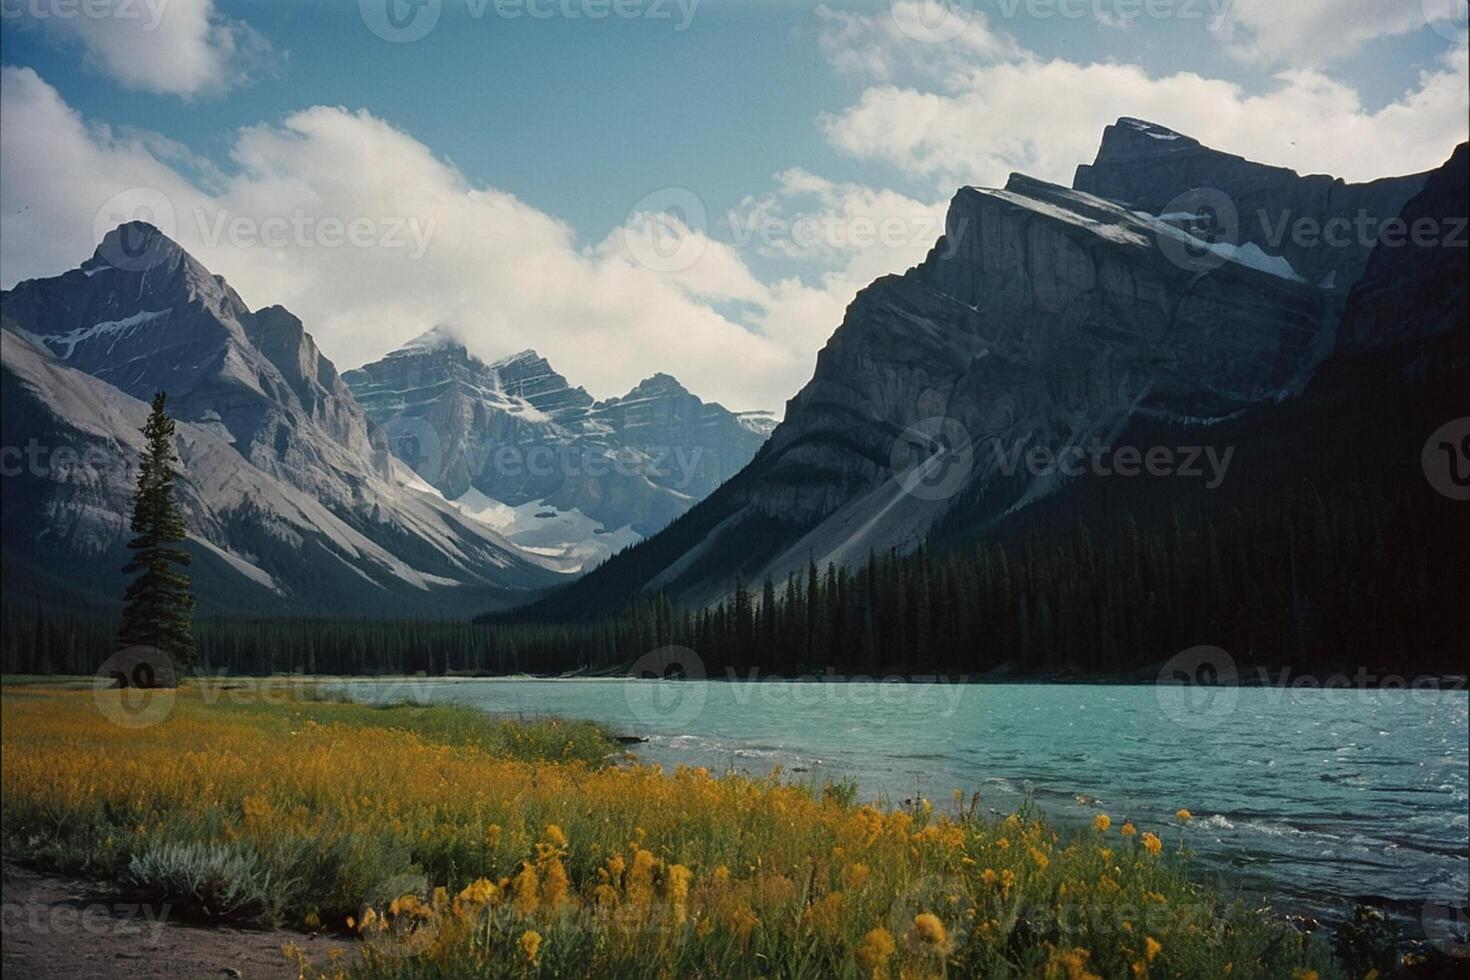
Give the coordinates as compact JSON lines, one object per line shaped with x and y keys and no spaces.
{"x":70,"y":929}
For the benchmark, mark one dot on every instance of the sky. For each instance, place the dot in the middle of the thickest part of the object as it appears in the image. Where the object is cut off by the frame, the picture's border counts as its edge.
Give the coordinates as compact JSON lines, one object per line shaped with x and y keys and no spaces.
{"x":631,"y":186}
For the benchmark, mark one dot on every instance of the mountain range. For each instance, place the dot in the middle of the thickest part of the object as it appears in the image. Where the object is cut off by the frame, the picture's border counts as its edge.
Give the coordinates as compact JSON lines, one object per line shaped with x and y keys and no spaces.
{"x":1152,"y":304}
{"x":293,"y":496}
{"x":562,"y":474}
{"x":1175,"y":298}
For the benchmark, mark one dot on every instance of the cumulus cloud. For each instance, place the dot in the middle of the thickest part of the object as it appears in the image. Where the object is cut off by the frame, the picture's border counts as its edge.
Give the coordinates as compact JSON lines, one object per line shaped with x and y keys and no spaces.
{"x":371,"y":239}
{"x":168,"y":47}
{"x":1045,"y":116}
{"x":848,"y":228}
{"x":914,"y":36}
{"x":1311,"y":33}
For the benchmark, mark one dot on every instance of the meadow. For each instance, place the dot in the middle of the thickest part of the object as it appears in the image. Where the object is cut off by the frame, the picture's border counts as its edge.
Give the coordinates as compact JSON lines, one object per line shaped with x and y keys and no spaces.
{"x":454,"y":844}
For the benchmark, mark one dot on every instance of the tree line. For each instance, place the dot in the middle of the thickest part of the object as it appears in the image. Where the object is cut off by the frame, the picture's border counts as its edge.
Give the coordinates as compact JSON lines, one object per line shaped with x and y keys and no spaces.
{"x":1324,"y":547}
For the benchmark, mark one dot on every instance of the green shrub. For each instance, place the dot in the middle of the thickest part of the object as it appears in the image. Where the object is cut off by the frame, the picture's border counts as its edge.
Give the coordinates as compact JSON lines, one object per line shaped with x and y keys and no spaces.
{"x":208,"y":880}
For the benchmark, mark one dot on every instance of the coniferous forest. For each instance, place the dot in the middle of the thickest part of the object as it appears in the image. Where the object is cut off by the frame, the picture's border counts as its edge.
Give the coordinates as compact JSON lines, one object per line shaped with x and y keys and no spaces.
{"x":1323,"y":548}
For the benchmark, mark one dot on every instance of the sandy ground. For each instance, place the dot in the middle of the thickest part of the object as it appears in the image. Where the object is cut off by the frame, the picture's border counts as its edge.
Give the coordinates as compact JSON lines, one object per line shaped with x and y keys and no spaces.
{"x":68,"y":928}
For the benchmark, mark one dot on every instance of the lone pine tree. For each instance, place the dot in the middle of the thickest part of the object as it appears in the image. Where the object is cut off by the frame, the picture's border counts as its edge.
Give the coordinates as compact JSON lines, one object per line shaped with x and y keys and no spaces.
{"x":159,"y":606}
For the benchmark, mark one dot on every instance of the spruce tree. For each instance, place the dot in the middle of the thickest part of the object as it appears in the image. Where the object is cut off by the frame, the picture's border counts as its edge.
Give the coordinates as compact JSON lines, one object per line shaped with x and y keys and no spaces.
{"x":159,"y":606}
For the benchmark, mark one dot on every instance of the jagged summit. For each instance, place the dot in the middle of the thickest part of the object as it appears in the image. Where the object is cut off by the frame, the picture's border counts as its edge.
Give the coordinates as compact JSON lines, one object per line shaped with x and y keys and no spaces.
{"x":519,"y":408}
{"x":440,"y":337}
{"x":1130,"y":137}
{"x":291,"y":498}
{"x":1149,"y":168}
{"x":527,"y":356}
{"x":660,"y":383}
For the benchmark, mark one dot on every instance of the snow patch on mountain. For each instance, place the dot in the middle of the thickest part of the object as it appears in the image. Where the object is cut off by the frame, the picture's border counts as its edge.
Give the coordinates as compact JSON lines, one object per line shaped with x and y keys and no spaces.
{"x":574,"y":540}
{"x":116,"y":328}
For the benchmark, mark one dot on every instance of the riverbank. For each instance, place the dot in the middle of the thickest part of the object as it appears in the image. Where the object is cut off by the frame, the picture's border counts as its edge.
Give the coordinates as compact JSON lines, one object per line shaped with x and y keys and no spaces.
{"x":450,"y":844}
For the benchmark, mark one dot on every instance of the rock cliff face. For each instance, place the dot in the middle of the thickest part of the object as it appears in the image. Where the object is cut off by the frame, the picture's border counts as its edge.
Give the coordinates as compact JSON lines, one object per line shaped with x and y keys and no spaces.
{"x":1410,"y":290}
{"x":516,"y":433}
{"x":1044,"y":314}
{"x":1046,"y":318}
{"x":1324,"y":226}
{"x":289,"y":488}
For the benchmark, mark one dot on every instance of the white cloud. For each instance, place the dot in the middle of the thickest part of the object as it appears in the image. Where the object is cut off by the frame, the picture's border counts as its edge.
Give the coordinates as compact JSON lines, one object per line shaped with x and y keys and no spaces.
{"x":1310,"y":33}
{"x":858,"y":231}
{"x":913,"y":36}
{"x":1045,"y":117}
{"x":168,"y":47}
{"x":505,"y":274}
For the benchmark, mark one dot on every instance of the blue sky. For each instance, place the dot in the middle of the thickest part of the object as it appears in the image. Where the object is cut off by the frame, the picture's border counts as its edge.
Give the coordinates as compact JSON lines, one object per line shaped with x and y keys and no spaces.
{"x":761,"y":109}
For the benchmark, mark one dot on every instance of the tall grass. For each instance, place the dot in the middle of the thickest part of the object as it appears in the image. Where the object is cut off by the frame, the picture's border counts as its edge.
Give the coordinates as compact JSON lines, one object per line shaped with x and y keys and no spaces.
{"x":460,"y":846}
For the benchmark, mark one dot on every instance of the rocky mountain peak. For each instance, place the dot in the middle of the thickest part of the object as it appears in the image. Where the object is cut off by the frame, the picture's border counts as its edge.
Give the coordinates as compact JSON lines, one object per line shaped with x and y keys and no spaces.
{"x":522,"y":359}
{"x":655,"y":386}
{"x":1131,"y":138}
{"x":437,"y":339}
{"x":1149,"y":168}
{"x":137,"y":257}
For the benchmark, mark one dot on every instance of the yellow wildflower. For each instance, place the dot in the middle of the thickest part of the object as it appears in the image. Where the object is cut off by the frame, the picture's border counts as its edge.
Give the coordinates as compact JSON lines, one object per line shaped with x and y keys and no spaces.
{"x":1128,"y":830}
{"x":1152,"y":844}
{"x":640,"y":878}
{"x":474,"y":895}
{"x":873,"y":953}
{"x":823,"y":915}
{"x":678,"y":885}
{"x":1101,"y":822}
{"x":531,"y":946}
{"x":554,"y":885}
{"x":527,"y":890}
{"x":1070,"y":964}
{"x":930,"y":930}
{"x":1183,"y":816}
{"x":1151,"y":948}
